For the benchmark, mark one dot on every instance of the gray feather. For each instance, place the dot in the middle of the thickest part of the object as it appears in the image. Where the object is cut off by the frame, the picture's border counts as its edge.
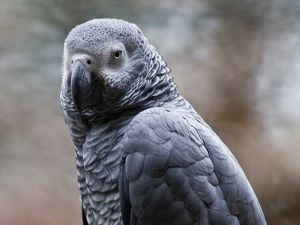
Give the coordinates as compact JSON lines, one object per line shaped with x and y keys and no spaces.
{"x":143,"y":154}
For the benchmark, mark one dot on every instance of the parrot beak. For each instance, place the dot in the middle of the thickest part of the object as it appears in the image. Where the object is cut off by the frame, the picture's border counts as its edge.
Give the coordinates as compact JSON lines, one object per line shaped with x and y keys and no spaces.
{"x":81,"y":85}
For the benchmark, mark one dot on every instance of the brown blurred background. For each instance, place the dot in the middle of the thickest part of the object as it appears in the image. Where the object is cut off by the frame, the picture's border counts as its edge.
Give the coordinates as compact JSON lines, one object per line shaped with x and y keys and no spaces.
{"x":237,"y":61}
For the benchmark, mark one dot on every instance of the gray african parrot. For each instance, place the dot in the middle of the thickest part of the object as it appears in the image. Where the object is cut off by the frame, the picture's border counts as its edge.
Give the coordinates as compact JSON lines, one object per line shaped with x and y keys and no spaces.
{"x":143,"y":154}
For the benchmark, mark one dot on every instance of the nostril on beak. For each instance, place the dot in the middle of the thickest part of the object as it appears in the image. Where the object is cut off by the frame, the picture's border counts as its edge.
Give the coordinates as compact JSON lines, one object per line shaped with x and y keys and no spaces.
{"x":85,"y":60}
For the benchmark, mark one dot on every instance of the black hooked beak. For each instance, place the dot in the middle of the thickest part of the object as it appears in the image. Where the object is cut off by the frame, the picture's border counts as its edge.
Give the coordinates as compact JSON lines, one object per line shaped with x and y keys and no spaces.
{"x":81,"y":85}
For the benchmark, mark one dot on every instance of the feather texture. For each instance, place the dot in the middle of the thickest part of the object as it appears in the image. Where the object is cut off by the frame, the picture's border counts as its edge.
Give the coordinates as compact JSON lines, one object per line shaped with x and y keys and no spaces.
{"x":143,"y":154}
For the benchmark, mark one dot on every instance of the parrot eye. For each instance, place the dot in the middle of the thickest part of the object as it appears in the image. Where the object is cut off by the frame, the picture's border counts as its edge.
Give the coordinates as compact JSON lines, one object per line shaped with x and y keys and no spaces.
{"x":117,"y":54}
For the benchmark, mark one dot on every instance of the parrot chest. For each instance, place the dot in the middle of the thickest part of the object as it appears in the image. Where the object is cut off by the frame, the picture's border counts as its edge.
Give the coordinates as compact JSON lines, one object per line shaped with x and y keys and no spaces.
{"x":98,"y":183}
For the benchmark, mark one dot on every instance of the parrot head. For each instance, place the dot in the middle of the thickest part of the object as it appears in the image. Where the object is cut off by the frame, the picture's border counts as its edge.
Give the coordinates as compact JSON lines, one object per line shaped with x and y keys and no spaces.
{"x":110,"y":67}
{"x":103,"y":59}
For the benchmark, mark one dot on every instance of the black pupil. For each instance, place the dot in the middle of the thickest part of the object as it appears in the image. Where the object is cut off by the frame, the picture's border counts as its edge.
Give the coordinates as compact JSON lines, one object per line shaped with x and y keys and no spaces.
{"x":88,"y":61}
{"x":117,"y":54}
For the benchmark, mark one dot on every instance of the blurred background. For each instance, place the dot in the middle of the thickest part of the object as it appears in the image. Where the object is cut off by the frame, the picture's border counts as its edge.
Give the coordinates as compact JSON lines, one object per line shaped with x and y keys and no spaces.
{"x":237,"y":62}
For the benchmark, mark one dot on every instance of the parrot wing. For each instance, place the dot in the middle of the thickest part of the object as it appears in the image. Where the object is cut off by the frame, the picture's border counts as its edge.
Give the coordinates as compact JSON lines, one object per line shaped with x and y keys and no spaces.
{"x":176,"y":170}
